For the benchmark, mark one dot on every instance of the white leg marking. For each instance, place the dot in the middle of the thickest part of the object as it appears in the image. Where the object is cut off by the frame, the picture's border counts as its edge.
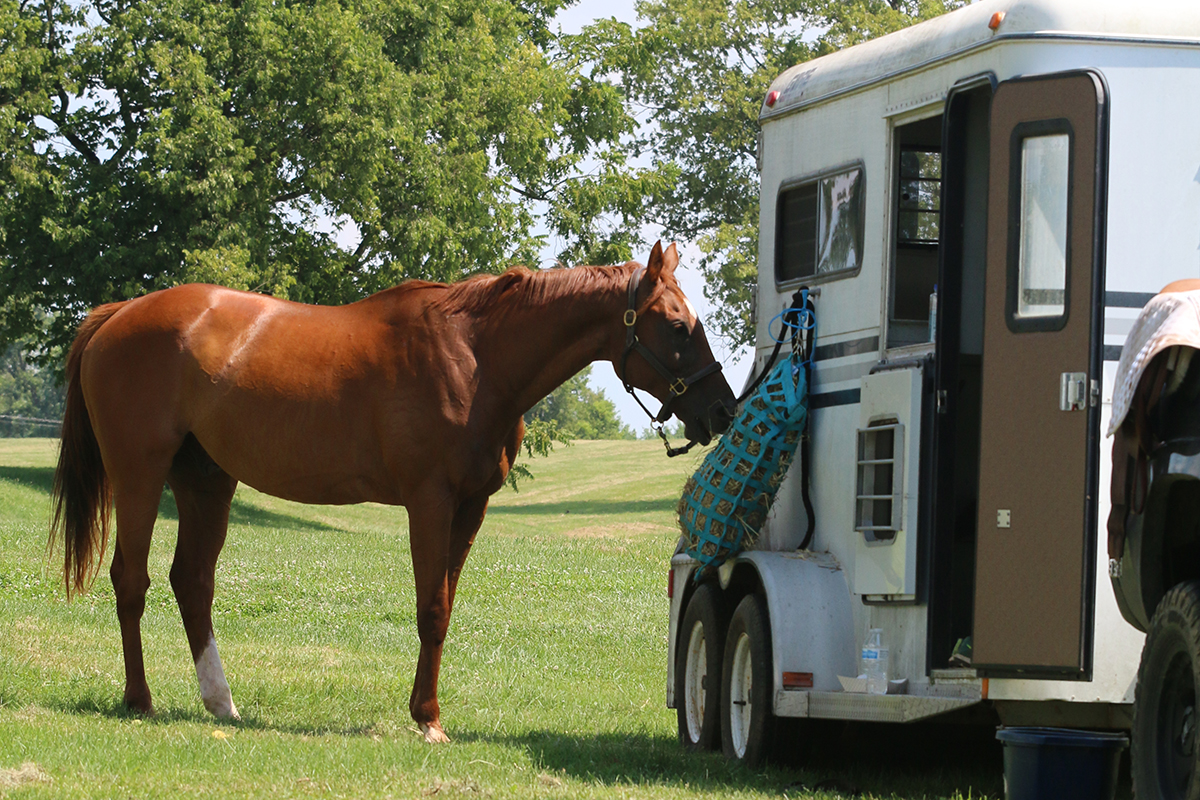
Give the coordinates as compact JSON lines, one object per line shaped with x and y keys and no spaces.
{"x":214,"y":689}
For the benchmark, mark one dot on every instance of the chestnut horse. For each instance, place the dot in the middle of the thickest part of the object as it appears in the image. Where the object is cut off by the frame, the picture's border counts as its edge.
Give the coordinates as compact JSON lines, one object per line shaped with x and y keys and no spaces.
{"x":413,"y":397}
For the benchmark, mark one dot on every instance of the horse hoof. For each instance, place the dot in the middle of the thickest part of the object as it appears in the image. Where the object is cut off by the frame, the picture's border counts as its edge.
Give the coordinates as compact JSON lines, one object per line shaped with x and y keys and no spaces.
{"x":434,"y":733}
{"x":141,"y":706}
{"x":223,"y":708}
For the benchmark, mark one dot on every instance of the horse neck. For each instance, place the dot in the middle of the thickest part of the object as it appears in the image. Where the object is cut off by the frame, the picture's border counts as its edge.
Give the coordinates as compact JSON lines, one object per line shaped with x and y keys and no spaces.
{"x":540,"y":339}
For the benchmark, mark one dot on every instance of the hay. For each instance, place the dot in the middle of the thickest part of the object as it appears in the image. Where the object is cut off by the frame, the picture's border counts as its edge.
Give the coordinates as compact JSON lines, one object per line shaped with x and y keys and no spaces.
{"x":23,"y":775}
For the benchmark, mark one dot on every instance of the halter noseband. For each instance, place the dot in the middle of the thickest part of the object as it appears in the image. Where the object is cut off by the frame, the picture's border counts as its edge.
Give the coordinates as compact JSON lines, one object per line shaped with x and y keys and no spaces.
{"x":678,"y":386}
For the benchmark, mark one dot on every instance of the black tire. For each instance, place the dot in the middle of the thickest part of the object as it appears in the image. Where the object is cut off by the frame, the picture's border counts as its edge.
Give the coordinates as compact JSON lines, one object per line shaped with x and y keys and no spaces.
{"x":1164,"y":748}
{"x":747,"y":713}
{"x":698,"y":659}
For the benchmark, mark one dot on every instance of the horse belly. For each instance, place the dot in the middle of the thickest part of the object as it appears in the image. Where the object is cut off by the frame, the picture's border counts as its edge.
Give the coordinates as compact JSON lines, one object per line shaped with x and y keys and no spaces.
{"x":309,"y":452}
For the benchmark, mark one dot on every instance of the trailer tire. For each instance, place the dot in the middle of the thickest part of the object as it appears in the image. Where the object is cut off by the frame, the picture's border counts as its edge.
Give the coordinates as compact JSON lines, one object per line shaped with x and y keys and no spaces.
{"x":698,"y":669}
{"x":1164,"y":754}
{"x":747,"y":716}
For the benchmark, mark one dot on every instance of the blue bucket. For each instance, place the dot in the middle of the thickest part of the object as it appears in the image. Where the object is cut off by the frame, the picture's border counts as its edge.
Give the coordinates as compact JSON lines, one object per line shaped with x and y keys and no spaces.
{"x":1060,"y":763}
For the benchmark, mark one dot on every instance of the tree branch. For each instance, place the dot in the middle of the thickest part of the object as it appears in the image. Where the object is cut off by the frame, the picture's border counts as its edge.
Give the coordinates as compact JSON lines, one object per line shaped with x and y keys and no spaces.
{"x":288,"y":197}
{"x":363,"y":253}
{"x":78,"y":143}
{"x":543,"y":198}
{"x":128,"y":132}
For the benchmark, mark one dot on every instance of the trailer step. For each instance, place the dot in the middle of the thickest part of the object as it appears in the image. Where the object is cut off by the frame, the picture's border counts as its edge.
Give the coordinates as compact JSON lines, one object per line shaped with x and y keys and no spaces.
{"x":866,"y":707}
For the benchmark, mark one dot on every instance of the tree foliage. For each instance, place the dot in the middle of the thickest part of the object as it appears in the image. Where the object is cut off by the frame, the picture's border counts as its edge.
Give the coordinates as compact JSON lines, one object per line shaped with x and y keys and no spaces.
{"x":313,"y":149}
{"x":578,"y":411}
{"x":697,"y":72}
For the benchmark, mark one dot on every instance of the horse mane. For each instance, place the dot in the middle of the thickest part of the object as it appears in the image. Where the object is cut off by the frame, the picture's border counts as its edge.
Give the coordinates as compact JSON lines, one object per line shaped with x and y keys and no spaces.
{"x":521,"y":287}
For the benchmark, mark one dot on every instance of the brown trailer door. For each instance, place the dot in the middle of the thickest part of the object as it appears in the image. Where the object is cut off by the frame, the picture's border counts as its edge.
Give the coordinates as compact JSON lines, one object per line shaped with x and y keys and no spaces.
{"x":1035,"y":573}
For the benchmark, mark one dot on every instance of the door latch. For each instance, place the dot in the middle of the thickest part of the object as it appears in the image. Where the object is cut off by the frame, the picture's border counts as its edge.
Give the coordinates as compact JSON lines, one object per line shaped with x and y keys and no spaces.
{"x":1073,"y":394}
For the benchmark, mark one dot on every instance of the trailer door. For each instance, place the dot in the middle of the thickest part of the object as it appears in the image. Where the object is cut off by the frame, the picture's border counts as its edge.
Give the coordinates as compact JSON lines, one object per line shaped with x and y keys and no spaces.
{"x":1040,"y":415}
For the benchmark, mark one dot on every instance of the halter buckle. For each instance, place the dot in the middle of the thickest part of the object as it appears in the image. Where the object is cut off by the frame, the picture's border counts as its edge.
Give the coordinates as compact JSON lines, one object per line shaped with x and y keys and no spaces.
{"x":630,"y":318}
{"x":679,"y":387}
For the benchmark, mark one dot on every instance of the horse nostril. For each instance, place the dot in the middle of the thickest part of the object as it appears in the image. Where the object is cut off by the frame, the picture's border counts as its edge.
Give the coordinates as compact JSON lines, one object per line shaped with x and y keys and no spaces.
{"x":721,"y":416}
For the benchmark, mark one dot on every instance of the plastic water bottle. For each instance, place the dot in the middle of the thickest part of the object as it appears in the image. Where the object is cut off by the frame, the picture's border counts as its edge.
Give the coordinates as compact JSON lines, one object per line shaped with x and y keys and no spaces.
{"x":875,"y":662}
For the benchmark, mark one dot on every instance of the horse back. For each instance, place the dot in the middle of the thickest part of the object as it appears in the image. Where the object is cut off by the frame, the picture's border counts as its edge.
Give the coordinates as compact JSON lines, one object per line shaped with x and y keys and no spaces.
{"x":310,"y":403}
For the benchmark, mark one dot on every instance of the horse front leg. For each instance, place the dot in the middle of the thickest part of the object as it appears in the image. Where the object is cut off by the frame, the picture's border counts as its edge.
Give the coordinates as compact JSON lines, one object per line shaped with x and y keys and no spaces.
{"x":429,"y":540}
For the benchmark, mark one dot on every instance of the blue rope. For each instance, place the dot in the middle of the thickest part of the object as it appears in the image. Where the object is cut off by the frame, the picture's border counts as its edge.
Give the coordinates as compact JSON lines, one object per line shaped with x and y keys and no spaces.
{"x":791,"y":319}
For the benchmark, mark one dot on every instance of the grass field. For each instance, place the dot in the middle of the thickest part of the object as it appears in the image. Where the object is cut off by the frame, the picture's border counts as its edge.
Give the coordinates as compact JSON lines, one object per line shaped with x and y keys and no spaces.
{"x":552,"y":684}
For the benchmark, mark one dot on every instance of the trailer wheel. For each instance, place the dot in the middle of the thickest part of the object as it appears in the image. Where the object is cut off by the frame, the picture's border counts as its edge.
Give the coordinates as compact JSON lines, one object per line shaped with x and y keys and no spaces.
{"x":1164,"y":747}
{"x":698,"y":670}
{"x":747,"y":718}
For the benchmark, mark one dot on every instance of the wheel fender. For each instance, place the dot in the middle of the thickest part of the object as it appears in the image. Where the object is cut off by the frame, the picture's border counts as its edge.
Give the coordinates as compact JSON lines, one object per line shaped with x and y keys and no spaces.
{"x":1140,"y":582}
{"x":810,"y":614}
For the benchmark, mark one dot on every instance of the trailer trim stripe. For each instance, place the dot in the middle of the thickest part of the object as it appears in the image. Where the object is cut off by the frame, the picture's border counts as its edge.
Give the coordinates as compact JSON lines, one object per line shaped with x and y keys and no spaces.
{"x":1127,"y":299}
{"x":852,"y":347}
{"x":845,"y":397}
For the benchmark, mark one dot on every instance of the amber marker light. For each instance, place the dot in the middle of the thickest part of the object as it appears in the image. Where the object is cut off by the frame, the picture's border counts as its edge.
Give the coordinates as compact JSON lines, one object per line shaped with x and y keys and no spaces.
{"x":772,"y":96}
{"x":670,"y":583}
{"x":797,"y":680}
{"x":996,"y":19}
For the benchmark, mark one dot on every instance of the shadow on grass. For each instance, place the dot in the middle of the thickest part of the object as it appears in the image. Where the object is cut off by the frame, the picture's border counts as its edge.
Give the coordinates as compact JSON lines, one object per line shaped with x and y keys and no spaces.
{"x":912,"y":760}
{"x":588,"y":507}
{"x":110,"y":706}
{"x":241,"y":512}
{"x":918,"y":760}
{"x":39,"y":478}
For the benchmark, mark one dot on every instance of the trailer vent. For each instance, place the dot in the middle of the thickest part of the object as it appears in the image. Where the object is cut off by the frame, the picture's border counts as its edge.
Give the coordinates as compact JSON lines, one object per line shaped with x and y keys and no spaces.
{"x":879,"y":505}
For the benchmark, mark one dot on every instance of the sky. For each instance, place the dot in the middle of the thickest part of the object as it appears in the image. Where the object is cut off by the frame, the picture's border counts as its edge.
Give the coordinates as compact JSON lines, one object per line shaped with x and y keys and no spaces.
{"x":736,"y":364}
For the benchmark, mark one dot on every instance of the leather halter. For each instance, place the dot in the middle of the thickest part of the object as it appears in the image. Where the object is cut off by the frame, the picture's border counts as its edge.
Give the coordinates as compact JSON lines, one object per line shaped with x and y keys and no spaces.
{"x":678,"y":385}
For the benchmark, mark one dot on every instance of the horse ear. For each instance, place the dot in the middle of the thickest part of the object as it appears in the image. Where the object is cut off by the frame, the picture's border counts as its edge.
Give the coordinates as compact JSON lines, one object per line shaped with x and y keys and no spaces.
{"x":654,"y":265}
{"x":670,"y":261}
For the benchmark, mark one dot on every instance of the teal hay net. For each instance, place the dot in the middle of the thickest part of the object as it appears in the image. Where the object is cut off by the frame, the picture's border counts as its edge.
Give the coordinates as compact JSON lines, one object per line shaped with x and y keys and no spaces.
{"x":725,"y":503}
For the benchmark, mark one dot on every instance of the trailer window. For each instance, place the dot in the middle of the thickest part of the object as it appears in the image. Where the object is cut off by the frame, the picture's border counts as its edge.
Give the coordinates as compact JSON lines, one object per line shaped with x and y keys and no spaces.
{"x":1042,"y":249}
{"x":819,"y":227}
{"x":917,"y":206}
{"x":920,"y":214}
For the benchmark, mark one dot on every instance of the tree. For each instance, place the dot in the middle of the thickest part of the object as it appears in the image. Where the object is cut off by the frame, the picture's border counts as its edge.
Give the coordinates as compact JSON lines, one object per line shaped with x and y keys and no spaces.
{"x":697,"y":73}
{"x":146,"y":143}
{"x":572,"y":411}
{"x":578,"y":411}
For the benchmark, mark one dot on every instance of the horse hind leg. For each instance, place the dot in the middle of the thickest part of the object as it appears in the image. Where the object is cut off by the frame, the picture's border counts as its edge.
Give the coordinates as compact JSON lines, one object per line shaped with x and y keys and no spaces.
{"x":203,"y":492}
{"x":136,"y":509}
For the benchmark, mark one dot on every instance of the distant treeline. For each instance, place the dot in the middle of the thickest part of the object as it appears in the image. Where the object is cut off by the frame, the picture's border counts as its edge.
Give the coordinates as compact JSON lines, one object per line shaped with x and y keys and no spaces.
{"x":31,"y":397}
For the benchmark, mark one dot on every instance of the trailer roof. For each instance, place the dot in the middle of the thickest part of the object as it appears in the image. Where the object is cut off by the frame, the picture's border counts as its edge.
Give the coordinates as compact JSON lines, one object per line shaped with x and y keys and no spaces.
{"x":1159,"y":21}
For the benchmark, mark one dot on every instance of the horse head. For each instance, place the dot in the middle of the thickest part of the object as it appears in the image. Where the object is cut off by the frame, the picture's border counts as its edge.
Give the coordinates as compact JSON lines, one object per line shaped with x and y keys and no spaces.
{"x":667,"y":354}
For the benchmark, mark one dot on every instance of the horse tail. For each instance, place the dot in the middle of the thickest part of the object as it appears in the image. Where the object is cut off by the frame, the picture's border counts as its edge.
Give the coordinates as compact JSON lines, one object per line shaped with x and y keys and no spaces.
{"x":82,"y":495}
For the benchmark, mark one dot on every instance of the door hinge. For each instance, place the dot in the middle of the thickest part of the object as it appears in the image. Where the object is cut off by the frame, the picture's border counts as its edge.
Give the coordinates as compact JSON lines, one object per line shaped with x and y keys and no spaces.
{"x":1095,"y":393}
{"x":943,"y":405}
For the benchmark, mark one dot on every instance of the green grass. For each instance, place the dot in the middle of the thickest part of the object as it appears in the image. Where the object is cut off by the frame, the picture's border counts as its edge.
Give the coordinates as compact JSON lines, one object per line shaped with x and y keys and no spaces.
{"x":552,"y":683}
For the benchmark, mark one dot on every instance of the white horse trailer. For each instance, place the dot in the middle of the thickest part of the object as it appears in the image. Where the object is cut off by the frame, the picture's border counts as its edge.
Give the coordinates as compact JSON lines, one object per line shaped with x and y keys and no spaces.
{"x":1034,"y":165}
